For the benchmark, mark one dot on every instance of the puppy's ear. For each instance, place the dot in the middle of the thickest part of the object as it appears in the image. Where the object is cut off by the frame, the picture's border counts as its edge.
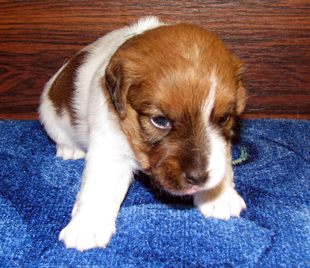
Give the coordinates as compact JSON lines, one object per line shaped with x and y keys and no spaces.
{"x":114,"y":82}
{"x":241,"y":84}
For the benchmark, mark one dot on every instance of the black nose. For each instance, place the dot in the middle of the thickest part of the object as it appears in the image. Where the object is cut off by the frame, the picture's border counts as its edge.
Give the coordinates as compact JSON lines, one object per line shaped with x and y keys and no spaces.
{"x":195,"y":178}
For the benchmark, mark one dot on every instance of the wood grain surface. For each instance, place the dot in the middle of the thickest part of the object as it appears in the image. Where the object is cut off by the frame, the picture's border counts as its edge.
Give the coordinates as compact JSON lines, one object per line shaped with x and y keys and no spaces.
{"x":271,"y":37}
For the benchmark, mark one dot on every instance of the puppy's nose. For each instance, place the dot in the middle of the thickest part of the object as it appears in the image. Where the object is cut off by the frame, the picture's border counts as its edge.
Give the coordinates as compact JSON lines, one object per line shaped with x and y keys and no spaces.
{"x":195,"y":178}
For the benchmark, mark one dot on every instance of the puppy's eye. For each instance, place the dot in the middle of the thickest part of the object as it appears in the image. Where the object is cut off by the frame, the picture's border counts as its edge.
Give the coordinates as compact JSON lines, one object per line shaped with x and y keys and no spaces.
{"x":224,"y":119}
{"x":161,"y":122}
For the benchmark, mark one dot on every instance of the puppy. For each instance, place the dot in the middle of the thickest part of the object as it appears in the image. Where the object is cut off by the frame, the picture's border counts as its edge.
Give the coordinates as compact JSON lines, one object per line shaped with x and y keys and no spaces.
{"x":152,"y":97}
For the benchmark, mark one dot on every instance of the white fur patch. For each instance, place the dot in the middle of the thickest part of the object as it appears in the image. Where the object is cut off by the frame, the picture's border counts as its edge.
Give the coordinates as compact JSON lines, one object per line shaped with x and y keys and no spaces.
{"x":217,"y":158}
{"x":218,"y":146}
{"x":211,"y":98}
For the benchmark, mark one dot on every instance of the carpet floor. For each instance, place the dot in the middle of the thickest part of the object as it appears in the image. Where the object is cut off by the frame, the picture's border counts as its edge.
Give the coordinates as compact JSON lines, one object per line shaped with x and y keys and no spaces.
{"x":37,"y":192}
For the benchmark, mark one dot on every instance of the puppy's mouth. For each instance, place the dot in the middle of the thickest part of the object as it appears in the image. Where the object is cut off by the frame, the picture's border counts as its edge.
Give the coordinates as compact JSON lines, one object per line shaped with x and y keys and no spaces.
{"x":190,"y":191}
{"x":179,"y":185}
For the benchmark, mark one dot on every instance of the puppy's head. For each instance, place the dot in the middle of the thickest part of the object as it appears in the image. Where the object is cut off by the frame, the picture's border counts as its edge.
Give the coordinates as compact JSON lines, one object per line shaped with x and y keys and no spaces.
{"x":176,"y":90}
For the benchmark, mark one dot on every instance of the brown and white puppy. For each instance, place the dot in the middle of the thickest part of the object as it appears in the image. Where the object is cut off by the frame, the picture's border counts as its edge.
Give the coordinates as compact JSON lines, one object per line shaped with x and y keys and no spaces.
{"x":152,"y":97}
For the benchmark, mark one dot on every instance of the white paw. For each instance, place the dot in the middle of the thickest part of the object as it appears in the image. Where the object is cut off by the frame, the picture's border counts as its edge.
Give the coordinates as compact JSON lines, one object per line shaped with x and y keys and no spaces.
{"x":70,"y":152}
{"x":86,"y":231}
{"x":228,"y":204}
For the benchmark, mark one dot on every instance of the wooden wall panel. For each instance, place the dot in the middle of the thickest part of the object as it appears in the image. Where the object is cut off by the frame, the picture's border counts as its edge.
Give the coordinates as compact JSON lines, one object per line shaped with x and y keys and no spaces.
{"x":272,"y":38}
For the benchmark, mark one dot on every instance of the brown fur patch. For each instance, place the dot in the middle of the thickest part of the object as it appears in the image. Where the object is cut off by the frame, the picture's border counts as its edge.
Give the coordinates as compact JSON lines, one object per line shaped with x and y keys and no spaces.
{"x":166,"y":72}
{"x":62,"y":89}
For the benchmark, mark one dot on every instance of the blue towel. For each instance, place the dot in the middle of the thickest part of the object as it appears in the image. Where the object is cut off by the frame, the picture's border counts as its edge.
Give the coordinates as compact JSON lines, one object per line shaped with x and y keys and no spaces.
{"x":38,"y":192}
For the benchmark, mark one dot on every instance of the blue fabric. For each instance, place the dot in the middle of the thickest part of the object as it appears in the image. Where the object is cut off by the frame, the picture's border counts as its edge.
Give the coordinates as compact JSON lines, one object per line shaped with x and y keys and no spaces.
{"x":38,"y":192}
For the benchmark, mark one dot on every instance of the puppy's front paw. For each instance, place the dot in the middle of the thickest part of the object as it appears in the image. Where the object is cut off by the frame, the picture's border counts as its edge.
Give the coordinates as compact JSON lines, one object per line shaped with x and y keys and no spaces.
{"x":67,"y":152}
{"x":228,"y":204}
{"x":87,"y":231}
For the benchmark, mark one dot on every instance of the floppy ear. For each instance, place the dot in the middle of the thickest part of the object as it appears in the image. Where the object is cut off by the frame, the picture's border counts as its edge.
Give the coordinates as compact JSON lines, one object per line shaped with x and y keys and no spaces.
{"x":241,"y":84}
{"x":114,"y":82}
{"x":242,"y":95}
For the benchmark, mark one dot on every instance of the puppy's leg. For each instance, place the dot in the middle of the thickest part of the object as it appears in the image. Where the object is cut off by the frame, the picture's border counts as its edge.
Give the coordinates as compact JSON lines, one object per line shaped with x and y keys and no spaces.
{"x":223,"y":201}
{"x":106,"y":179}
{"x":60,"y":130}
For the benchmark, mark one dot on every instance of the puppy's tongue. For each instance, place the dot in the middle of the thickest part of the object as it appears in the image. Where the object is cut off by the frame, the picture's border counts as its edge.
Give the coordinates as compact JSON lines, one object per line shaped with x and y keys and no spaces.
{"x":191,"y":191}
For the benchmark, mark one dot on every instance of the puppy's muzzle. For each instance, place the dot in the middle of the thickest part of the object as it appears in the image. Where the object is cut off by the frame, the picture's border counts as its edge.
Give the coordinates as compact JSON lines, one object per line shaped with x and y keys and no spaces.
{"x":195,"y":164}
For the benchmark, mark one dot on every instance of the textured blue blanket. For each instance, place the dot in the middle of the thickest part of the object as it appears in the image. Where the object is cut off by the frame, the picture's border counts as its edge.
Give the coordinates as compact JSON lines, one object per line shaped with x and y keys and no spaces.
{"x":37,"y":192}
